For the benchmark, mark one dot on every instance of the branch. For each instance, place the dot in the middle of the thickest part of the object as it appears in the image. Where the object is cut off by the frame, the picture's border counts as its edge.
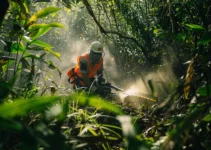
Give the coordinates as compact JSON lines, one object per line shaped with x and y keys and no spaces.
{"x":102,"y":30}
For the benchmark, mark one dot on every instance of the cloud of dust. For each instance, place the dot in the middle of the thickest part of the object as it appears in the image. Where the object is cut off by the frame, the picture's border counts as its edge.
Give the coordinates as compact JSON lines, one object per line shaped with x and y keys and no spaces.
{"x":72,"y":48}
{"x":162,"y":78}
{"x":69,"y":60}
{"x":163,"y":82}
{"x":110,"y":67}
{"x":136,"y":87}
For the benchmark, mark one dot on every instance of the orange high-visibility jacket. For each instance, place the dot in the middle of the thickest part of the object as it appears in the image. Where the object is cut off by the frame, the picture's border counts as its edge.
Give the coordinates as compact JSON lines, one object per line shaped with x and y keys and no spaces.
{"x":92,"y":70}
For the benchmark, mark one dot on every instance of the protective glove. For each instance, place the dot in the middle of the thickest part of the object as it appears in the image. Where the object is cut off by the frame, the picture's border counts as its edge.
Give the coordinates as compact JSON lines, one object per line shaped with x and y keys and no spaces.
{"x":101,"y":80}
{"x":92,"y":89}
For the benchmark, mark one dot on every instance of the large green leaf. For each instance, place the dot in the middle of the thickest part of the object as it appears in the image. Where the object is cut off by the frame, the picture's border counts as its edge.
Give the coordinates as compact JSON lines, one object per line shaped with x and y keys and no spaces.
{"x":41,"y":44}
{"x":42,"y":13}
{"x":38,"y":26}
{"x":52,"y":52}
{"x":43,"y":28}
{"x":97,"y":103}
{"x":41,"y":32}
{"x":205,"y":39}
{"x":195,"y":27}
{"x":21,"y":107}
{"x":46,"y":11}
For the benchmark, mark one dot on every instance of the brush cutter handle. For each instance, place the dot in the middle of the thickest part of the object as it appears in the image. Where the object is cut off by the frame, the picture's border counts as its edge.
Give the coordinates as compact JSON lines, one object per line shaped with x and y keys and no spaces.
{"x":116,"y":88}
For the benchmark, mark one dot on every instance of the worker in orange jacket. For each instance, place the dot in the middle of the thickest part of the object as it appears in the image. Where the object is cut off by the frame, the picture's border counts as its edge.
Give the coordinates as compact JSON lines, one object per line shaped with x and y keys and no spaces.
{"x":88,"y":66}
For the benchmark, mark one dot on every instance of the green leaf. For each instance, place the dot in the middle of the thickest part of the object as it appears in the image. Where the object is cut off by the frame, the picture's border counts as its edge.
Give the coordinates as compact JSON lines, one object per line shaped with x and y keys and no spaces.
{"x":207,"y":118}
{"x":52,"y":66}
{"x":180,"y":37}
{"x":17,"y":47}
{"x":26,"y":7}
{"x":205,"y":39}
{"x":97,"y":103}
{"x":27,"y":38}
{"x":10,"y":110}
{"x":46,"y":11}
{"x":111,"y":131}
{"x":10,"y":124}
{"x":92,"y":131}
{"x":35,"y":56}
{"x":5,"y":67}
{"x":203,"y":91}
{"x":43,"y":28}
{"x":151,"y":87}
{"x":52,"y":52}
{"x":38,"y":26}
{"x":35,"y":48}
{"x":24,"y":10}
{"x":195,"y":27}
{"x":41,"y":44}
{"x":43,"y":13}
{"x":41,"y":32}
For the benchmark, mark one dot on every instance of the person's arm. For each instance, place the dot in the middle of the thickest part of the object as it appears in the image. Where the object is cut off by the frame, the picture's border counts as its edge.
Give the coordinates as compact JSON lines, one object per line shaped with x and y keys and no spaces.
{"x":84,"y":71}
{"x":100,"y":75}
{"x":86,"y":79}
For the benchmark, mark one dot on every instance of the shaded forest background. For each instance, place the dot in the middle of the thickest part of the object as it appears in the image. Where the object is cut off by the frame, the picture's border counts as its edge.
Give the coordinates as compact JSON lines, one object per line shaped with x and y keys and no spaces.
{"x":157,"y":48}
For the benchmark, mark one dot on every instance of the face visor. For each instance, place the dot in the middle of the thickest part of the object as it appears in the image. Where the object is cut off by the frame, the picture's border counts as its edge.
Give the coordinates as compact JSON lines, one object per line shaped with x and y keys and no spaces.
{"x":95,"y":57}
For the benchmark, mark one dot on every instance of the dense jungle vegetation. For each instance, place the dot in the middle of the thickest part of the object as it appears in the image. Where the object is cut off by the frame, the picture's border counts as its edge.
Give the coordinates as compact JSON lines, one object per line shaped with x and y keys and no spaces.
{"x":164,"y":43}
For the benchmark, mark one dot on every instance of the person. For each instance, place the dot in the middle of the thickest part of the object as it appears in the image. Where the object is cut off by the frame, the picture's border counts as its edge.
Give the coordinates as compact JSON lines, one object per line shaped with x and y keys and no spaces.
{"x":89,"y":66}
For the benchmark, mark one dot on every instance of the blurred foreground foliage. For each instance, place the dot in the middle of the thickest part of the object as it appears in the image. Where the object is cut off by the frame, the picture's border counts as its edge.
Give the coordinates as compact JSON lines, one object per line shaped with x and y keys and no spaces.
{"x":81,"y":121}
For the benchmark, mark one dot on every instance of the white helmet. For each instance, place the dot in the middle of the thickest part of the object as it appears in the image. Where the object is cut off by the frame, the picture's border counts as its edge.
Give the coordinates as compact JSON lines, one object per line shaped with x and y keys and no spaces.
{"x":96,"y":47}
